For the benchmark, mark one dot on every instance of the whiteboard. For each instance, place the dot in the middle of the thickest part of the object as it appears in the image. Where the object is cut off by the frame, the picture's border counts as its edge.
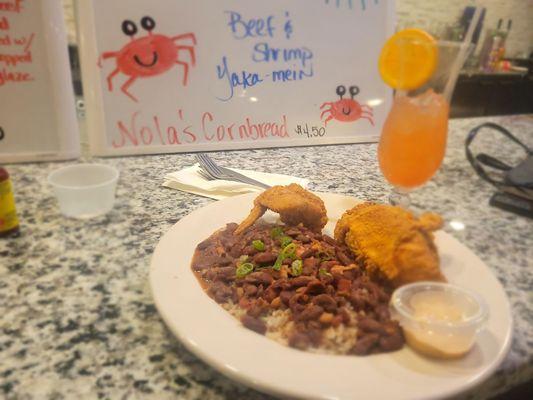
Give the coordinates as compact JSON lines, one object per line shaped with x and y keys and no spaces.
{"x":37,"y":109}
{"x":175,"y":76}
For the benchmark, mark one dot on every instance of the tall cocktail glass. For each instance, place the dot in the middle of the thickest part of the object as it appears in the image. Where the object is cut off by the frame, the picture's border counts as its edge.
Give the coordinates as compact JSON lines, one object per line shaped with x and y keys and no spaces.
{"x":413,"y":138}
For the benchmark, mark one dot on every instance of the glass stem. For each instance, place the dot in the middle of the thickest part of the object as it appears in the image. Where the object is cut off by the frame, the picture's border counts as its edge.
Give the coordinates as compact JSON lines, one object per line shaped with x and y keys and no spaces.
{"x":400,"y":197}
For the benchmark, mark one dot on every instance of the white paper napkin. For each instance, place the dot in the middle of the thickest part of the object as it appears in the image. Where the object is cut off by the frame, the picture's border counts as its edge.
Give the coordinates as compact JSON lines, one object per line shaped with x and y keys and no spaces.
{"x":188,"y":180}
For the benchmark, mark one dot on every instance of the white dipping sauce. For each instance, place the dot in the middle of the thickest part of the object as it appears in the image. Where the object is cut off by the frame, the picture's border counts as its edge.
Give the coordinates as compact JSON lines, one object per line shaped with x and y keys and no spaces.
{"x":437,"y":306}
{"x":439,"y":319}
{"x":436,"y":316}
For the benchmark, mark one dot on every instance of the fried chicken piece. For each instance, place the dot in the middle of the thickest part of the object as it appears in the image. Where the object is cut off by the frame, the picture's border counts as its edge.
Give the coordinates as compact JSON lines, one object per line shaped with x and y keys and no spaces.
{"x":294,"y":205}
{"x":392,"y":241}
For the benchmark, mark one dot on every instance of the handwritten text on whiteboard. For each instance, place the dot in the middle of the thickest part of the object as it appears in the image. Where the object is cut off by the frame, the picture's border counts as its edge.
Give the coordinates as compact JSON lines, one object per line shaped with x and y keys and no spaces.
{"x":15,"y":50}
{"x":261,"y":29}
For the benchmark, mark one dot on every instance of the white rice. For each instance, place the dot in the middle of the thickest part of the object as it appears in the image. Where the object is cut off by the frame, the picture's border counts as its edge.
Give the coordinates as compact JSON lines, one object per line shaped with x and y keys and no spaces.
{"x":335,"y":340}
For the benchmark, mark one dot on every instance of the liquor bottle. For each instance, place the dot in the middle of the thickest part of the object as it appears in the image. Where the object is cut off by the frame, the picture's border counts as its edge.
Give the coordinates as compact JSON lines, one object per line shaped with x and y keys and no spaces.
{"x":9,"y":224}
{"x":491,"y":50}
{"x":505,"y":35}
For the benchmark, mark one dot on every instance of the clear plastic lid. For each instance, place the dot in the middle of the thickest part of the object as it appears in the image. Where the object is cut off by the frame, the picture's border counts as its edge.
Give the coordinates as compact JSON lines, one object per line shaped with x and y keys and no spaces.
{"x":472,"y":308}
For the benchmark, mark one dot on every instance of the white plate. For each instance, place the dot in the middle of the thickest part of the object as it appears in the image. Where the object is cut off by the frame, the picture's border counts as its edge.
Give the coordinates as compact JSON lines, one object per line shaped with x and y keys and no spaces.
{"x":217,"y":338}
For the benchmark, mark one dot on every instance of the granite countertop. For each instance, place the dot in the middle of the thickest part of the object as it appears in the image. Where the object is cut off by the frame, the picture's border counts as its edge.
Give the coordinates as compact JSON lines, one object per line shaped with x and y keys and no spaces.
{"x":77,"y":318}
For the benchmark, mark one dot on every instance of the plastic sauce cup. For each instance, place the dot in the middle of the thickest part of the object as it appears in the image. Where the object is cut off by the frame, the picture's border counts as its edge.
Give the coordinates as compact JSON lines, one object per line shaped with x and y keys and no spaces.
{"x":438,"y":319}
{"x":84,"y":190}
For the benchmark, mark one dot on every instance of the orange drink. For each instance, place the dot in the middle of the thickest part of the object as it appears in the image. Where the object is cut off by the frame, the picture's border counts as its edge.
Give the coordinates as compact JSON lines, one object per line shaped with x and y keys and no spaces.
{"x":413,"y":139}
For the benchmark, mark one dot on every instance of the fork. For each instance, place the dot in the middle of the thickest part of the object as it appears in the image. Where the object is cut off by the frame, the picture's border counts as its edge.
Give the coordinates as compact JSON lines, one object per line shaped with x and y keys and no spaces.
{"x":205,"y":175}
{"x":208,"y":177}
{"x":218,"y":172}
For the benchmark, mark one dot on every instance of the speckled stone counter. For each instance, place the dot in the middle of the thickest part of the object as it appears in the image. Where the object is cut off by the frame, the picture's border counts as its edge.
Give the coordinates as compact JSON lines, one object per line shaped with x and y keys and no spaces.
{"x":76,"y":315}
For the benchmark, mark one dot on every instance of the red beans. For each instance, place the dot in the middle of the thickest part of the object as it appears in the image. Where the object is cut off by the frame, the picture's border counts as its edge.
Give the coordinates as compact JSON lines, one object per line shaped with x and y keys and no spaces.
{"x":259,"y":277}
{"x":205,"y":261}
{"x":254,"y":324}
{"x":315,"y":287}
{"x":311,"y":312}
{"x":364,"y":344}
{"x":249,"y":250}
{"x":343,"y":258}
{"x":370,"y":325}
{"x":391,"y":343}
{"x":344,"y":285}
{"x":297,"y":302}
{"x":389,"y":334}
{"x":328,"y":264}
{"x":205,"y":244}
{"x":266,"y":257}
{"x":250,"y":290}
{"x":270,"y":294}
{"x":308,"y":253}
{"x":310,"y":265}
{"x":221,"y":292}
{"x":301,"y":281}
{"x":382,"y":312}
{"x":259,"y":307}
{"x":325,"y":301}
{"x":285,"y":296}
{"x":292,"y":232}
{"x":303,"y":238}
{"x":329,"y":289}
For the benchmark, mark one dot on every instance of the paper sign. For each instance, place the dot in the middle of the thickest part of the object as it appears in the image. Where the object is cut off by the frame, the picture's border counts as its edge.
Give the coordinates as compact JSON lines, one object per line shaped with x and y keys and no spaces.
{"x":175,"y":76}
{"x":37,"y":110}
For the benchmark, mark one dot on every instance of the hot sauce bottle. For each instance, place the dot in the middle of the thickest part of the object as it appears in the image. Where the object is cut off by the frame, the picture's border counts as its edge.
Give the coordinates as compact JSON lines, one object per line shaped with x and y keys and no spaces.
{"x":9,"y":224}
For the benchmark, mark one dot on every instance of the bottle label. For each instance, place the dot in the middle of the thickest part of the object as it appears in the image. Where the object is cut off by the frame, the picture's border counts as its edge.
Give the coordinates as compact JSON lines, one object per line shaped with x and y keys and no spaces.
{"x":8,"y":213}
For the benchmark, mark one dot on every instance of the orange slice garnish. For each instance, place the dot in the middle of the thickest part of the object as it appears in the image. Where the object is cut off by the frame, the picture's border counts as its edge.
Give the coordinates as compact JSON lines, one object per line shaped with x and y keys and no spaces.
{"x":408,"y":59}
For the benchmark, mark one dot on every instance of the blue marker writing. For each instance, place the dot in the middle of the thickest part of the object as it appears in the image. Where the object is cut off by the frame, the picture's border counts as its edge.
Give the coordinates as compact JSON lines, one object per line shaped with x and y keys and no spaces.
{"x":287,"y":75}
{"x":255,"y":27}
{"x":244,"y":79}
{"x":263,"y":52}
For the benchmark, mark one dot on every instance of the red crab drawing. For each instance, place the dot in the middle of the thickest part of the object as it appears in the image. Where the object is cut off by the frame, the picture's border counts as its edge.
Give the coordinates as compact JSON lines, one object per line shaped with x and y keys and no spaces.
{"x":148,"y":55}
{"x":346,"y":110}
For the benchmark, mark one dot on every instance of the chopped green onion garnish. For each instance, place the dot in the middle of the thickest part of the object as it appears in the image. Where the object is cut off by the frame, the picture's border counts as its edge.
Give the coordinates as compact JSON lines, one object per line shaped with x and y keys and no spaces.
{"x":276,"y":232}
{"x":324,"y":256}
{"x":244,"y":269}
{"x":258,"y":245}
{"x":277,"y":264}
{"x":296,"y":267}
{"x":322,"y":271}
{"x":285,"y":240}
{"x":289,"y":251}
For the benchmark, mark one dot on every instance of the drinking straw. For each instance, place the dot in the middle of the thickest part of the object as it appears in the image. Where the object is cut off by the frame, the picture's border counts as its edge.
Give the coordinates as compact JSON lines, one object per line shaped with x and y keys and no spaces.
{"x":461,"y":55}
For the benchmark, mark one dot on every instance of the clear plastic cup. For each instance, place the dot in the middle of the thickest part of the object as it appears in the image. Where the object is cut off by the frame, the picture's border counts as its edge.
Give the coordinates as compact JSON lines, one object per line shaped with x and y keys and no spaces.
{"x":439,"y":319}
{"x":84,"y":190}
